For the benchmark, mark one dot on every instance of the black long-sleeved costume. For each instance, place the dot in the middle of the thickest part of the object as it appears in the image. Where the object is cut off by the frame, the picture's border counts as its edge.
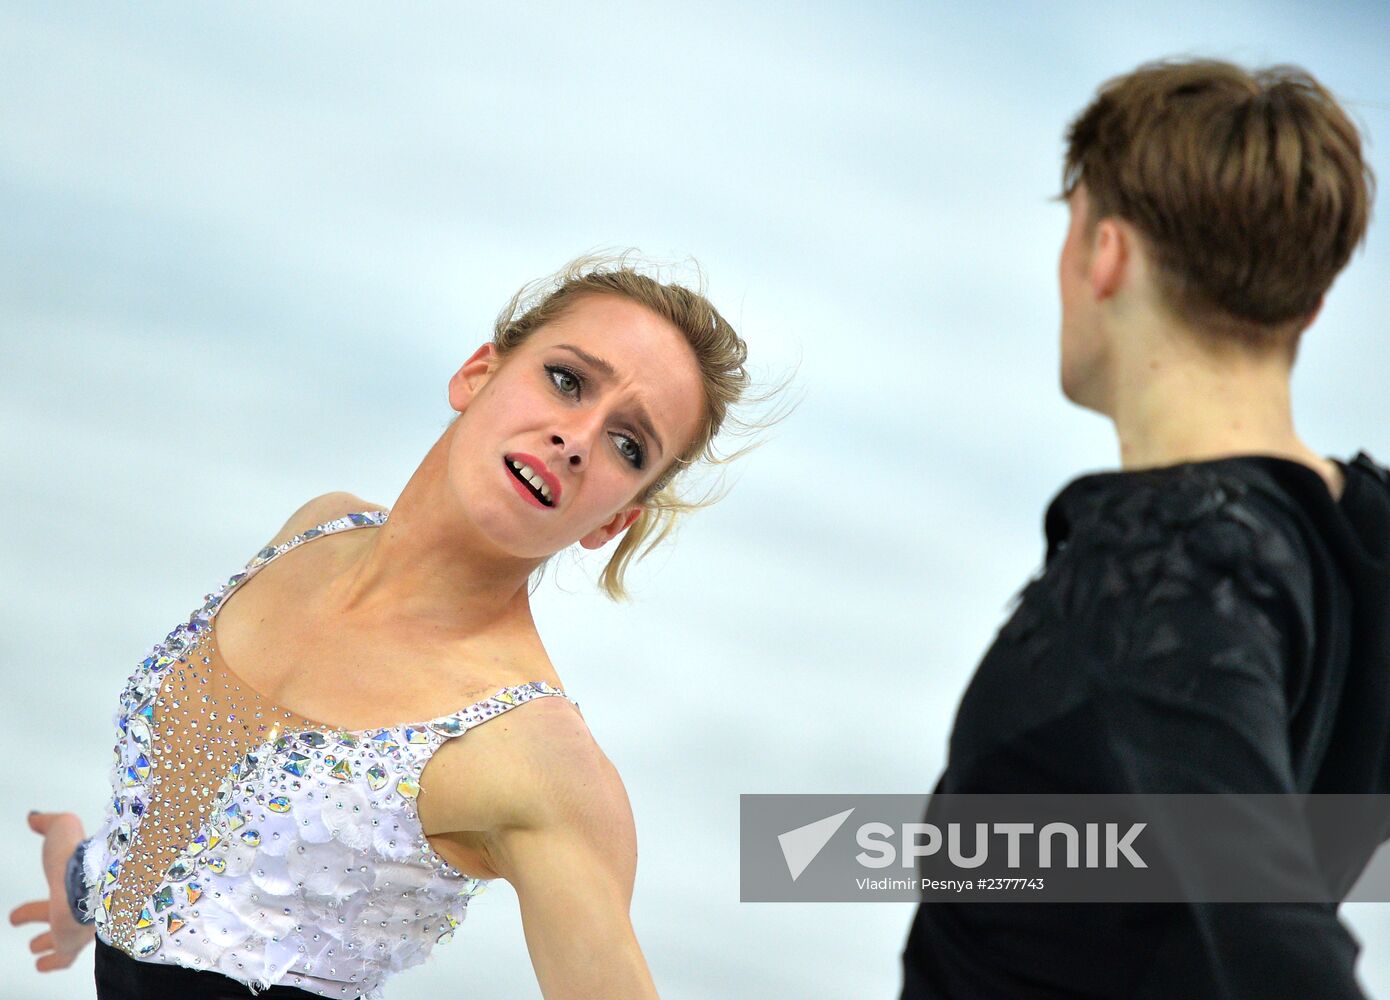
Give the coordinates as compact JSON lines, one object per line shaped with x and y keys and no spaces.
{"x":1205,"y":627}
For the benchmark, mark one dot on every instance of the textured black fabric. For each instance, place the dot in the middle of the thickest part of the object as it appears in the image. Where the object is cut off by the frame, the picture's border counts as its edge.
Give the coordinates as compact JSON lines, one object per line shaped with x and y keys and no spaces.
{"x":1205,"y":627}
{"x":120,"y":977}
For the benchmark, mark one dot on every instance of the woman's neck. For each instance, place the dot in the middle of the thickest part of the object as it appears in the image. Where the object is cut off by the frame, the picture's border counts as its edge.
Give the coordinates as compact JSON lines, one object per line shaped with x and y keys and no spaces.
{"x":425,"y":565}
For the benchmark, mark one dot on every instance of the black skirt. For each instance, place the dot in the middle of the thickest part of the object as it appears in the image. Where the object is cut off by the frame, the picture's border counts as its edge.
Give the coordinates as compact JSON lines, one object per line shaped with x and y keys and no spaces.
{"x":120,"y":977}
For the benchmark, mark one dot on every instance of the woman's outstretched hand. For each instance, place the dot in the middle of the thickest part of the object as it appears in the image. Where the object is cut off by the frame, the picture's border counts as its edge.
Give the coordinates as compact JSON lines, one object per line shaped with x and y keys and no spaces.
{"x":65,"y":937}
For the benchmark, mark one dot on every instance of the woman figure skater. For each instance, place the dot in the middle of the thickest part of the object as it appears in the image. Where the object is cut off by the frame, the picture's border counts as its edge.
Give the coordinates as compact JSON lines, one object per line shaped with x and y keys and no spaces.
{"x":295,"y":811}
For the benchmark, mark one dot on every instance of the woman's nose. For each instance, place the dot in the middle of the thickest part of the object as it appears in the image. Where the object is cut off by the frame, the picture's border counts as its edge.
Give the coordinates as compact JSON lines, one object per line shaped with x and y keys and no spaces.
{"x":572,"y":452}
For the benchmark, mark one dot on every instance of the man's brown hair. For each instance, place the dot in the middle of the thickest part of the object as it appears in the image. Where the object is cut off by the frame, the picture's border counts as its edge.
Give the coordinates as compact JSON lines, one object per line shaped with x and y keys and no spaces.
{"x":1248,"y":187}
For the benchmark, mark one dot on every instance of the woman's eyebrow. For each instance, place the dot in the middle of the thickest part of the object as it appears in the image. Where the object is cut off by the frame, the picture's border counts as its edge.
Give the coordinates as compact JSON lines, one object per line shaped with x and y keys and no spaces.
{"x":591,"y":360}
{"x":604,"y":368}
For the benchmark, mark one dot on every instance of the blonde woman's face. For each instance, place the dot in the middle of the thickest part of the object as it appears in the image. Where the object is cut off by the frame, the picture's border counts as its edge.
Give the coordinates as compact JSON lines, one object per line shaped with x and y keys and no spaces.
{"x":592,"y":406}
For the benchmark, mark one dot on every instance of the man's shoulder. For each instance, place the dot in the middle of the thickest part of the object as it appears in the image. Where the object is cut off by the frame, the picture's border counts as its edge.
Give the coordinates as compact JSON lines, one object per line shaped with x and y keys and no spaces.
{"x":1185,"y":521}
{"x":1188,"y":540}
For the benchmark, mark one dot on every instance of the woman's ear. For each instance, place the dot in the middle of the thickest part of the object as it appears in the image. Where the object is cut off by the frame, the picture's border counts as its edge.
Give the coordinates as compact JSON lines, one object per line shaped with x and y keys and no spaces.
{"x":472,"y":376}
{"x":613,"y":527}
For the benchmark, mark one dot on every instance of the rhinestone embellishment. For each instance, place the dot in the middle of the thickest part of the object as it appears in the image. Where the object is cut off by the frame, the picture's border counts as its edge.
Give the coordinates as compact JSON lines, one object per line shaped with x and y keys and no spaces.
{"x":232,"y":818}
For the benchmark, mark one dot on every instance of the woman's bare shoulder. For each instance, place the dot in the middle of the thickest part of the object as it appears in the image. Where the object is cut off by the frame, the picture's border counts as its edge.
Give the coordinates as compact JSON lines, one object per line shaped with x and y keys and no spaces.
{"x":573,"y":811}
{"x":537,"y":765}
{"x":323,"y":508}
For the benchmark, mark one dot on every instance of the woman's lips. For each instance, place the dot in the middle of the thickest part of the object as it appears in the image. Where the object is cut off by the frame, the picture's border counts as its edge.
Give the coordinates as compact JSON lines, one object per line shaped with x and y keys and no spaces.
{"x":513,"y":477}
{"x":540,"y":469}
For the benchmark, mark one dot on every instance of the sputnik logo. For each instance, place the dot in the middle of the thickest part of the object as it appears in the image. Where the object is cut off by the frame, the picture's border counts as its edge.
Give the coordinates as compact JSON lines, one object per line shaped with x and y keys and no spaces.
{"x":800,"y":846}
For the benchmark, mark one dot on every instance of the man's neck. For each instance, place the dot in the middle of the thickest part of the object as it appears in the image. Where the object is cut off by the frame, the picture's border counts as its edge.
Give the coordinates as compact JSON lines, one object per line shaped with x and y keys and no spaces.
{"x":1175,"y":402}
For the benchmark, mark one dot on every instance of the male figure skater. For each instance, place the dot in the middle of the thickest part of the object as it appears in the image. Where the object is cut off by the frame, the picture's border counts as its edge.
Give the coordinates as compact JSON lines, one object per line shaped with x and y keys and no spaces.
{"x":1215,"y":616}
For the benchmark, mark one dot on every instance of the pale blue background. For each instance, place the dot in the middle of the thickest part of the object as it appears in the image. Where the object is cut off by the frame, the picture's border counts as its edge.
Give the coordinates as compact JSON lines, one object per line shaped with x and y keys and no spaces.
{"x":241,"y":250}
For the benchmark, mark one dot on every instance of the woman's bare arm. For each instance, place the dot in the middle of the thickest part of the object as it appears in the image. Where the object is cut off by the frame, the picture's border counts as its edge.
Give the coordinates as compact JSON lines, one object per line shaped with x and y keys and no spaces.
{"x":573,"y":866}
{"x":551,"y":816}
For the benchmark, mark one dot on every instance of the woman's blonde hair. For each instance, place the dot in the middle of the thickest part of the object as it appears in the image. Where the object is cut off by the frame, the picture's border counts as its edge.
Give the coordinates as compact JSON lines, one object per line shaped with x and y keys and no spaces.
{"x":719,"y":351}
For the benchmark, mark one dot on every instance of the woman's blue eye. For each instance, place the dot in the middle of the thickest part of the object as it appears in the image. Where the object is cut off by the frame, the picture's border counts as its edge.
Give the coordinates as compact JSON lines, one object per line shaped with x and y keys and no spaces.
{"x":562,"y":376}
{"x":631,"y":450}
{"x":569,"y":382}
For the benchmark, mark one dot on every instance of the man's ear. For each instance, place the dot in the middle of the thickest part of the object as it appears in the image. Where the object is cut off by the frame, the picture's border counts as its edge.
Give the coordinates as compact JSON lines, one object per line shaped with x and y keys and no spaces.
{"x":615,"y":526}
{"x":1112,"y":250}
{"x":465,"y":383}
